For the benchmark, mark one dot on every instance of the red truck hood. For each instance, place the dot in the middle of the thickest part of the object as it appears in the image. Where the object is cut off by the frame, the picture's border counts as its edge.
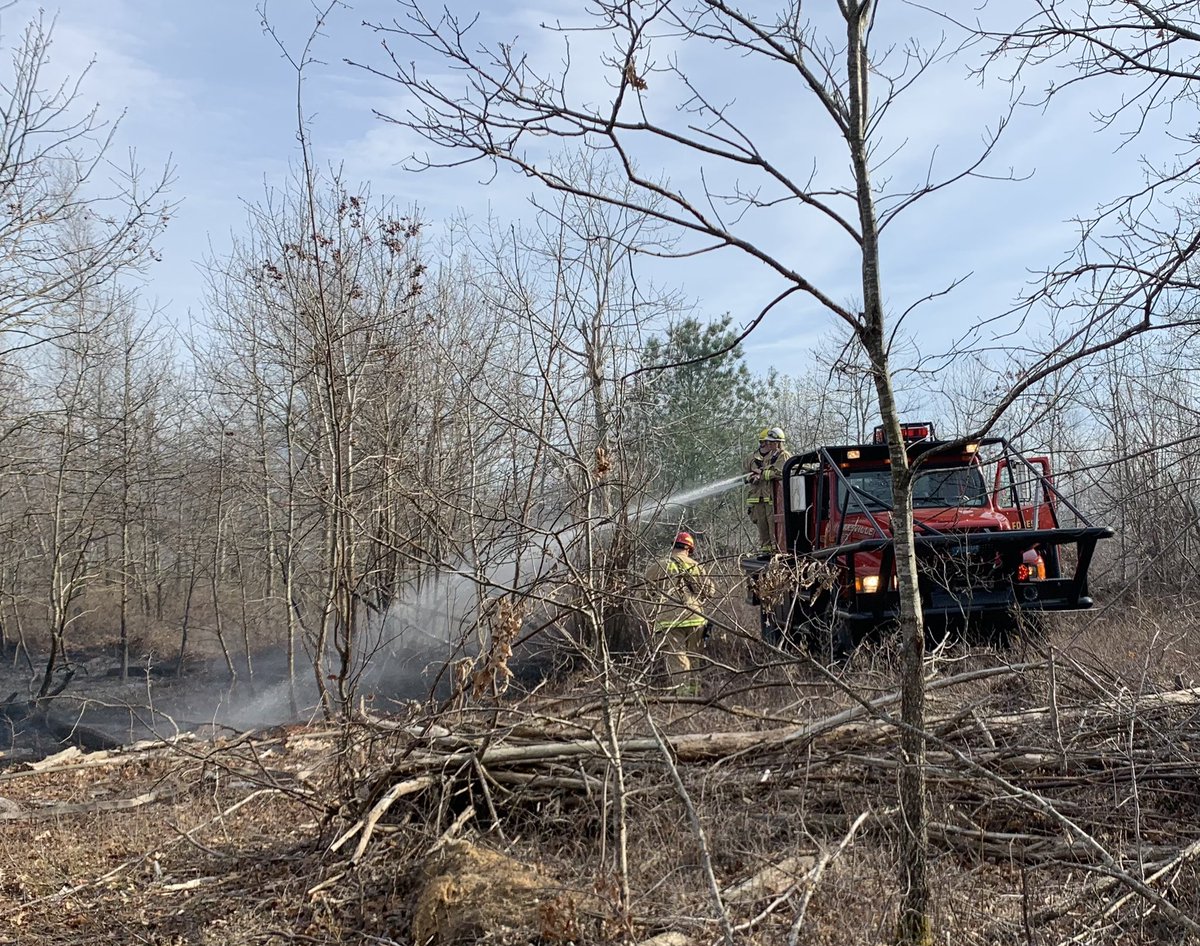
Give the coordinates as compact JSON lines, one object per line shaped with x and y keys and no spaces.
{"x":964,"y":519}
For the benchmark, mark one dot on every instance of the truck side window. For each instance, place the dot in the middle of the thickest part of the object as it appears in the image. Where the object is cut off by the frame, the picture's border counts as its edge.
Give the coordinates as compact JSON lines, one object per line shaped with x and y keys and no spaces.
{"x":798,"y":493}
{"x":1018,"y":488}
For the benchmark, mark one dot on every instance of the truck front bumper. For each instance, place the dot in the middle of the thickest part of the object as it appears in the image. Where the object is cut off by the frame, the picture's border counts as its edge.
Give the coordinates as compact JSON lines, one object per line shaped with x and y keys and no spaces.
{"x":1059,"y":594}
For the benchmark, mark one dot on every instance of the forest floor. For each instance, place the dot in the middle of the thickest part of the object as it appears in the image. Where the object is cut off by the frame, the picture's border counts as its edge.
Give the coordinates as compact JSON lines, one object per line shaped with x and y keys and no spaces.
{"x":1064,"y":785}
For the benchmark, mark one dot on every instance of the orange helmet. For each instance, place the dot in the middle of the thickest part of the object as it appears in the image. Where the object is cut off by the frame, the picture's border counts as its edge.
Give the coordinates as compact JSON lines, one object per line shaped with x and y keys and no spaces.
{"x":685,"y":540}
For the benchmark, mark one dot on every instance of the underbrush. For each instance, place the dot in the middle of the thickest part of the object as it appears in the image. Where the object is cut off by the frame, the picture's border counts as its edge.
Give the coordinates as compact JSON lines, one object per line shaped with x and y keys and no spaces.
{"x":1062,"y":787}
{"x":1024,"y":741}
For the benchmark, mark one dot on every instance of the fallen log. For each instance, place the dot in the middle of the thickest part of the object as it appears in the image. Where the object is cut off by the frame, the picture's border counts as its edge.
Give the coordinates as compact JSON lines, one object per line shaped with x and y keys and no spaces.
{"x":771,"y":880}
{"x":847,"y":728}
{"x":87,"y":808}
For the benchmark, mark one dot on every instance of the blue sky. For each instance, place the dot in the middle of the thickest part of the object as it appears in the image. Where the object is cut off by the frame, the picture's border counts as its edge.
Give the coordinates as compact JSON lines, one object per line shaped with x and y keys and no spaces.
{"x":202,"y":86}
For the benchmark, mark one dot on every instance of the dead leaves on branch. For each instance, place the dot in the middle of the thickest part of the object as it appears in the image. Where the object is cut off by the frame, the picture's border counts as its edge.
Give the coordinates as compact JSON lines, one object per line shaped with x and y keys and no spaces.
{"x":489,"y":674}
{"x":632,"y":77}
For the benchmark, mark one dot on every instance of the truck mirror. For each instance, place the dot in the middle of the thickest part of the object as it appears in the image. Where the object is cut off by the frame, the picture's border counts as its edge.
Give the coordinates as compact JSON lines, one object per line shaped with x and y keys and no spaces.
{"x":797,"y":494}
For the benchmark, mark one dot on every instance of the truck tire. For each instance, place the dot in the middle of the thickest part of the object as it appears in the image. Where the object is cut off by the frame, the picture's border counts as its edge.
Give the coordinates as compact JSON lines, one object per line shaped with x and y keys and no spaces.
{"x":843,"y":641}
{"x":827,"y":637}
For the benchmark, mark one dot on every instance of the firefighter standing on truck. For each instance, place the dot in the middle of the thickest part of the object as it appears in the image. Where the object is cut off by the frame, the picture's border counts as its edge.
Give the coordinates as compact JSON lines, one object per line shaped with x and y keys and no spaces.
{"x":762,"y":468}
{"x":681,"y":587}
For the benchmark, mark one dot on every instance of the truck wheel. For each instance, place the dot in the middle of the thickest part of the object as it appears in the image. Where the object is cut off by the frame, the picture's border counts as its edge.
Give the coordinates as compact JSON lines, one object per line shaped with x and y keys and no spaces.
{"x":828,"y":638}
{"x":842,"y":641}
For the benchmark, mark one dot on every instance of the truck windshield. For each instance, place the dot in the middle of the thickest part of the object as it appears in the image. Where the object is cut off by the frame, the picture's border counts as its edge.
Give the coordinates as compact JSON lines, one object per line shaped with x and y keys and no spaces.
{"x":955,"y":486}
{"x":952,"y":487}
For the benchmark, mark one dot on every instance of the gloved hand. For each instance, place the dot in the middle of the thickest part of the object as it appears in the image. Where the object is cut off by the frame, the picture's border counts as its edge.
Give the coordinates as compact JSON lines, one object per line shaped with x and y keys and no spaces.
{"x":752,"y":478}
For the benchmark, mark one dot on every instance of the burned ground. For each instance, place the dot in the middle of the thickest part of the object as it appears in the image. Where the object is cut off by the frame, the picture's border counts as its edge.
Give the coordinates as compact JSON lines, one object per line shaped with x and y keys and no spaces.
{"x":1063,"y":789}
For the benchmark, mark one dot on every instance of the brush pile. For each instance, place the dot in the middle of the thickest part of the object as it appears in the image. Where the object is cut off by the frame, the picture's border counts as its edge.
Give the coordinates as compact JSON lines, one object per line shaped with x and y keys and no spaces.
{"x":1064,"y":807}
{"x":1041,"y":772}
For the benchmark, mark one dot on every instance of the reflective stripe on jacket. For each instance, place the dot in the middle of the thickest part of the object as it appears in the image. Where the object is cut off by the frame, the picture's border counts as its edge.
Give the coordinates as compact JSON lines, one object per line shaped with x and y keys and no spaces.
{"x":681,"y":586}
{"x":769,"y":468}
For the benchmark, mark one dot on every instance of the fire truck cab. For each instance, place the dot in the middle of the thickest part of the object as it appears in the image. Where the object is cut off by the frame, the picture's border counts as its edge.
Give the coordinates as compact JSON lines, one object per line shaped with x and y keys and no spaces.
{"x":988,"y":536}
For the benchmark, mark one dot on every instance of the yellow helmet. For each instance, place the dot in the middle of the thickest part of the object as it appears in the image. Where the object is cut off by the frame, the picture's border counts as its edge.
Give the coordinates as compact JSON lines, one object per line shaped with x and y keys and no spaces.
{"x":771,"y":433}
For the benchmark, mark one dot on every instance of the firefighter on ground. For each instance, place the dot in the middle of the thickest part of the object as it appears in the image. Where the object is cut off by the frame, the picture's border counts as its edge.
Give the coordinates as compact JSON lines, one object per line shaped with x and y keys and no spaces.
{"x":762,"y":468}
{"x":680,"y":586}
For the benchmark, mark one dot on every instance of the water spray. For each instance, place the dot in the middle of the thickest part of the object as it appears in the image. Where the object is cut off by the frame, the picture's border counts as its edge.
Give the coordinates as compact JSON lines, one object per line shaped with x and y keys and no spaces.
{"x":687,"y":497}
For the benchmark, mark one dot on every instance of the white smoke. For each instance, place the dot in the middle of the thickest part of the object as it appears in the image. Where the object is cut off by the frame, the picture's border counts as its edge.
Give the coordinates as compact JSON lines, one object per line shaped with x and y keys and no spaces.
{"x":403,"y":653}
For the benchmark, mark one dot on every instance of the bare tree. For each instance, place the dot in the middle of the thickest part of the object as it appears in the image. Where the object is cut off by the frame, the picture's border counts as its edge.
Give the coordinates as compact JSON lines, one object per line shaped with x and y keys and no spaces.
{"x":508,"y":107}
{"x":310,"y":312}
{"x":68,"y":478}
{"x":137,"y":399}
{"x":1133,"y":268}
{"x":64,"y":232}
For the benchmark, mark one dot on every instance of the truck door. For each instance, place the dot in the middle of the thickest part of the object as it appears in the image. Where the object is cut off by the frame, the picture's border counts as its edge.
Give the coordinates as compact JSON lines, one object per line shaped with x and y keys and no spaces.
{"x":1023,"y":495}
{"x":800,"y":521}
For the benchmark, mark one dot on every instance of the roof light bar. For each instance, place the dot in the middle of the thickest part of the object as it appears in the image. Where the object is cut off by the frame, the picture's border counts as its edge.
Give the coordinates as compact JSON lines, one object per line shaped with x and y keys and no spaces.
{"x":909,"y":433}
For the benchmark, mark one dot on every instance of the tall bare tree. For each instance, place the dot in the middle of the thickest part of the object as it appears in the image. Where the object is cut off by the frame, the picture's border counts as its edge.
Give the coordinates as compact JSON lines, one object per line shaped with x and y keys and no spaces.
{"x":311,"y":312}
{"x":508,"y":106}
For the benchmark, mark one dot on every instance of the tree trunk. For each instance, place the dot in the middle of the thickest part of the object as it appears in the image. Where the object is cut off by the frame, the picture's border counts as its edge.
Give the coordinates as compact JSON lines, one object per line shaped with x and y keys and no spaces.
{"x":913,"y":927}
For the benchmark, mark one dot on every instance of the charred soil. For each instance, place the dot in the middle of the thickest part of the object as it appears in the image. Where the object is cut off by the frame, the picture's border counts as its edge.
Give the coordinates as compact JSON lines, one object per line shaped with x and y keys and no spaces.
{"x":1063,"y":791}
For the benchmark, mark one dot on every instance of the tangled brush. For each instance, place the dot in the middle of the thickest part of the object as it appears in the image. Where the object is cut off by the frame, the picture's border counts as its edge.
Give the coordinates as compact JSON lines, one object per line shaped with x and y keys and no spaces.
{"x":786,"y":580}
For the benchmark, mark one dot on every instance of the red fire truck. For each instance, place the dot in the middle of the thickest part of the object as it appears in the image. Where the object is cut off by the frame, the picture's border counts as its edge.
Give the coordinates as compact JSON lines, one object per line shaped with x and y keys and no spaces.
{"x":990,"y":544}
